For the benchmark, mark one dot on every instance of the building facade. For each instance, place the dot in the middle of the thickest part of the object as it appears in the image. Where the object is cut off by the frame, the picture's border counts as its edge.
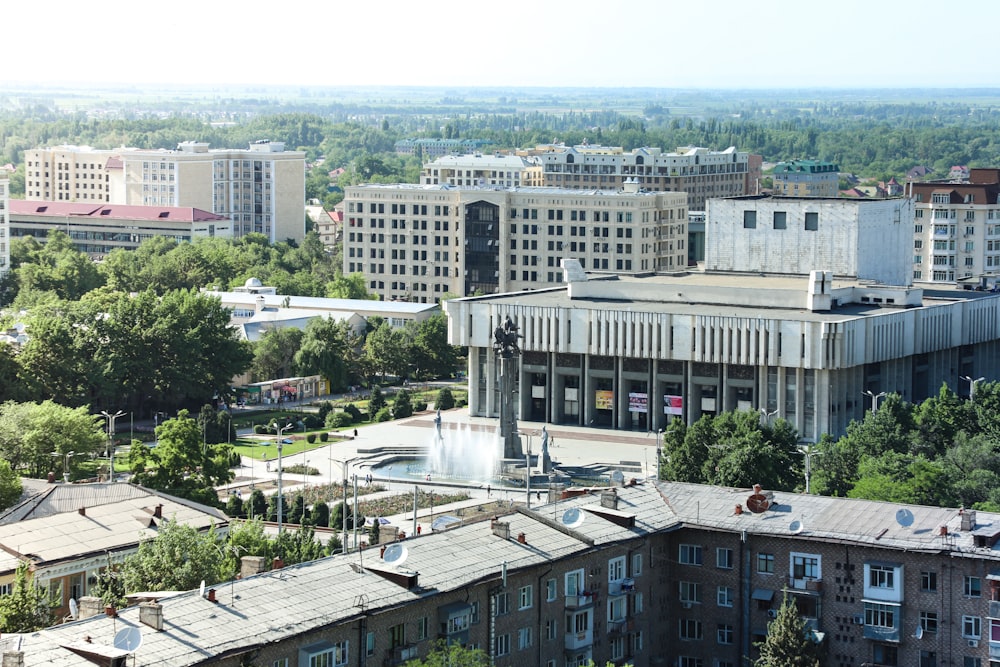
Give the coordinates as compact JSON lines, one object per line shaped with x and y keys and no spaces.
{"x":956,"y":229}
{"x":476,"y":169}
{"x":261,"y":189}
{"x":414,"y":242}
{"x":97,"y":229}
{"x":699,"y":172}
{"x":435,"y":148}
{"x":4,"y":226}
{"x":806,"y":178}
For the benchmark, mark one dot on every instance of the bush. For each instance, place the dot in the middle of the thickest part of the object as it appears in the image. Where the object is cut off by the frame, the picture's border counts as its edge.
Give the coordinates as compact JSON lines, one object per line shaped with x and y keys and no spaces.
{"x":313,"y":421}
{"x":445,"y":399}
{"x":355,"y":413}
{"x":420,"y":407}
{"x":324,"y":436}
{"x":376,"y":401}
{"x":325,"y":408}
{"x":260,"y":429}
{"x":338,"y":420}
{"x":311,"y":438}
{"x":235,"y":459}
{"x":402,"y":407}
{"x":383,"y":415}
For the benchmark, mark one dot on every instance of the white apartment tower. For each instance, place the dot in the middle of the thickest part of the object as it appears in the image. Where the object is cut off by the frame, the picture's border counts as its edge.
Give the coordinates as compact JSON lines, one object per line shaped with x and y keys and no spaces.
{"x":418,"y":242}
{"x":261,"y":189}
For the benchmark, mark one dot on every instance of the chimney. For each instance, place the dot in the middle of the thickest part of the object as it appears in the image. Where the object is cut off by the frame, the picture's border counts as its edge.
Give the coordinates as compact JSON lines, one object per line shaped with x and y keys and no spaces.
{"x":251,"y":565}
{"x":387,"y":533}
{"x":739,"y":509}
{"x":88,"y":606}
{"x":943,"y":531}
{"x":968,"y":519}
{"x":521,"y":538}
{"x":151,"y":614}
{"x":211,"y":595}
{"x":109,"y":610}
{"x":500,"y":529}
{"x":51,"y":477}
{"x":277,"y":563}
{"x":158,"y":511}
{"x":609,"y":499}
{"x":13,"y":659}
{"x":82,"y":511}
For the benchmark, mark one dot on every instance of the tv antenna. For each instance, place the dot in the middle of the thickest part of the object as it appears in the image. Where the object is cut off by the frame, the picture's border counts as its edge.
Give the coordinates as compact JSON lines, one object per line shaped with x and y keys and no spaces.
{"x":395,"y":554}
{"x":573,"y":517}
{"x":128,"y":639}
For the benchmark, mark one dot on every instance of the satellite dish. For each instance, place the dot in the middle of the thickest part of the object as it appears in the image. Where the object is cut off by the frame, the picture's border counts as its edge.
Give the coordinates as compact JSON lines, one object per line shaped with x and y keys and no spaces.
{"x":618,"y":478}
{"x":395,"y":554}
{"x":796,"y":526}
{"x":128,"y":639}
{"x":74,"y":609}
{"x":201,"y":589}
{"x":920,"y":632}
{"x":758,"y":503}
{"x":573,"y":517}
{"x":904,"y":517}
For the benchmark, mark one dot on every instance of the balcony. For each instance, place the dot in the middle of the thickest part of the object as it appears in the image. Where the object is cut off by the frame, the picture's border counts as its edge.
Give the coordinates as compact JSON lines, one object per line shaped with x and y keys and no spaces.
{"x":882,"y":634}
{"x":400,"y":655}
{"x":578,"y":640}
{"x":584,"y":599}
{"x":806,"y":584}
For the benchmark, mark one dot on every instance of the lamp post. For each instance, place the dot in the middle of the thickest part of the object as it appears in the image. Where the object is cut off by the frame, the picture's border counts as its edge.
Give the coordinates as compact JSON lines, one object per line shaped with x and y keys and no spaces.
{"x":874,"y":398}
{"x":765,"y":416}
{"x":808,"y":453}
{"x":281,"y":430}
{"x":111,"y":441}
{"x":344,"y":513}
{"x":65,"y":458}
{"x":972,"y":385}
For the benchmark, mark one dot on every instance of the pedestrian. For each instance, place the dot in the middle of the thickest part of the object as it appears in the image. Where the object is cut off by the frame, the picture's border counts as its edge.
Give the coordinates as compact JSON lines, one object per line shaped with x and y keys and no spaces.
{"x":355,"y":433}
{"x":267,"y":466}
{"x":489,"y":490}
{"x":538,"y":495}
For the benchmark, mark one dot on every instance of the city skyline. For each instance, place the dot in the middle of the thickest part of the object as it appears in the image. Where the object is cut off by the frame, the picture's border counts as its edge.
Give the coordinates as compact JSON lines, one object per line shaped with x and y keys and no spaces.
{"x":555,"y":43}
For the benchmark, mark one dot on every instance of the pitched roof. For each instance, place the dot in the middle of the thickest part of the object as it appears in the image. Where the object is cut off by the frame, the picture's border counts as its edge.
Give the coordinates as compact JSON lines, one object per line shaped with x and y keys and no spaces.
{"x":112,"y":211}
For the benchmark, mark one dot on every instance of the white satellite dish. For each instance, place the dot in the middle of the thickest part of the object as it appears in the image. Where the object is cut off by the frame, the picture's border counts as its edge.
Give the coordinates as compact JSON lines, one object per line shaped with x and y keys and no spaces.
{"x":74,"y":609}
{"x":796,"y":526}
{"x":573,"y":517}
{"x":201,"y":589}
{"x":395,"y":554}
{"x":618,"y":478}
{"x":128,"y":639}
{"x":904,"y":517}
{"x":920,"y":632}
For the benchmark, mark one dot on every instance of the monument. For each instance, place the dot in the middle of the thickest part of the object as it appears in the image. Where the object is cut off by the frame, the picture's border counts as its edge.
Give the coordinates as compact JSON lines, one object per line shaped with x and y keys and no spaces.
{"x":506,"y":348}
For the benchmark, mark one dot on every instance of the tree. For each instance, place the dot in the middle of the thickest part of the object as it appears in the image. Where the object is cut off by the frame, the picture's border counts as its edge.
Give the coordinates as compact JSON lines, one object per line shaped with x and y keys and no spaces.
{"x":349,"y":287}
{"x":298,"y":546}
{"x":10,"y":485}
{"x":28,"y":607}
{"x":402,"y":406}
{"x":178,"y":559}
{"x":387,"y":351}
{"x":329,"y":348}
{"x":430,"y":354}
{"x":110,"y":586}
{"x":275,"y":352}
{"x":36,"y":437}
{"x":788,"y":642}
{"x":451,"y":655}
{"x":376,"y":401}
{"x":257,"y":506}
{"x":246,"y":538}
{"x":445,"y":399}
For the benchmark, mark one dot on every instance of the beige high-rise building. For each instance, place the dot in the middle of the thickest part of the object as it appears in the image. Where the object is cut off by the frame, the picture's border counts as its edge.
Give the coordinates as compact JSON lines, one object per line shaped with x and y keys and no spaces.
{"x":418,"y":242}
{"x":477,"y":169}
{"x":261,"y":189}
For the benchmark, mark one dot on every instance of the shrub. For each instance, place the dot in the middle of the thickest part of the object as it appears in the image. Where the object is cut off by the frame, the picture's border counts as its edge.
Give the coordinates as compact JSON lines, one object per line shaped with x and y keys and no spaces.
{"x":311,"y":438}
{"x":355,"y":413}
{"x":338,"y":420}
{"x":376,"y":401}
{"x":383,"y":415}
{"x":260,"y":429}
{"x":313,"y":421}
{"x":420,"y":407}
{"x":402,"y":407}
{"x":324,"y":436}
{"x":325,"y":408}
{"x":445,"y":399}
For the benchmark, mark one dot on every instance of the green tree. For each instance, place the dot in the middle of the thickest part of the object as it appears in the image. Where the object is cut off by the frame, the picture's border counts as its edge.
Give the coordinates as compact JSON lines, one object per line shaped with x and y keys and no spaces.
{"x":387,"y":351}
{"x":246,"y":538}
{"x":27,"y":608}
{"x":36,"y":437}
{"x":430,"y":354}
{"x":329,"y":348}
{"x":110,"y":585}
{"x":57,"y":266}
{"x":351,"y":286}
{"x":257,"y":505}
{"x":402,"y":406}
{"x":299,"y":545}
{"x":178,"y":559}
{"x":788,"y":642}
{"x":10,"y":485}
{"x":376,"y":401}
{"x":453,"y":654}
{"x":275,"y":352}
{"x":445,"y":399}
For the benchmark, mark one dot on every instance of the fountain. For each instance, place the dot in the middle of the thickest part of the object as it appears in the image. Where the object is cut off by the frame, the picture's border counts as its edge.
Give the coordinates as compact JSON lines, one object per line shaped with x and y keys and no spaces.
{"x":458,"y":452}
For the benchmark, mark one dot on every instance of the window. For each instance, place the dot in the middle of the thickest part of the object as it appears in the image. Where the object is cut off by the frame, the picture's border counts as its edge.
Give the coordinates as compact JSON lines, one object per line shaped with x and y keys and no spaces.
{"x":501,"y":645}
{"x":885,"y":654}
{"x":617,"y":648}
{"x":550,"y":629}
{"x":689,"y":593}
{"x":780,"y":220}
{"x":280,"y":662}
{"x":812,"y":222}
{"x":971,"y":627}
{"x":805,"y":566}
{"x":749,"y":219}
{"x":422,"y":627}
{"x":636,"y":565}
{"x":574,"y":583}
{"x":927,"y":659}
{"x":524,"y":596}
{"x":972,"y":587}
{"x":550,"y":590}
{"x":690,"y":629}
{"x":724,"y":596}
{"x":502,"y":601}
{"x":969,"y":661}
{"x":475,"y":612}
{"x":881,"y":576}
{"x":616,"y":569}
{"x":324,"y":654}
{"x":690,"y":554}
{"x":880,"y":615}
{"x":928,"y":581}
{"x":929,"y":621}
{"x":725,"y":634}
{"x":397,"y":635}
{"x":724,"y":558}
{"x":523,"y":638}
{"x":370,"y":644}
{"x":617,"y":608}
{"x":688,"y":661}
{"x":765,"y":563}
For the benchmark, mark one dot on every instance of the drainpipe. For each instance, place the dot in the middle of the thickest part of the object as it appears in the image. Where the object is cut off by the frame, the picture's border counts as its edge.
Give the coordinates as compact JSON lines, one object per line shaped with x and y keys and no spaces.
{"x":745,"y":563}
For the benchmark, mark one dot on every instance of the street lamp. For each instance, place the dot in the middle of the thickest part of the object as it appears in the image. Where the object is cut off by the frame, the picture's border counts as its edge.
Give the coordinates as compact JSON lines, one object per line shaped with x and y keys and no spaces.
{"x":343,"y":517}
{"x":972,"y":385}
{"x":281,"y":430}
{"x":808,"y":453}
{"x":874,"y":398}
{"x":66,"y":458}
{"x":111,"y":440}
{"x":765,"y":416}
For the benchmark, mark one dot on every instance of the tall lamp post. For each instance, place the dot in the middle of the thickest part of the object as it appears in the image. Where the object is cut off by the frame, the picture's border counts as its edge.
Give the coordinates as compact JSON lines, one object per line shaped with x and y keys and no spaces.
{"x":807,"y":451}
{"x":874,"y":398}
{"x":66,"y":457}
{"x":281,"y":430}
{"x":972,"y":385}
{"x":765,"y":416}
{"x":343,"y":517}
{"x":111,"y":440}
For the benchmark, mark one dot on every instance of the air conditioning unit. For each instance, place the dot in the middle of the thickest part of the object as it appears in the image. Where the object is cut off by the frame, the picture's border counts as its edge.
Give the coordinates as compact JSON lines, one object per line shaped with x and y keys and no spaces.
{"x":772,"y":613}
{"x":973,"y":643}
{"x":859,"y":619}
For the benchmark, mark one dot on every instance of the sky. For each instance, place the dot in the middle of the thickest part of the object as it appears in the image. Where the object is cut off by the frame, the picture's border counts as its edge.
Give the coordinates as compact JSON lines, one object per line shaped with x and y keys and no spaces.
{"x":506,"y":43}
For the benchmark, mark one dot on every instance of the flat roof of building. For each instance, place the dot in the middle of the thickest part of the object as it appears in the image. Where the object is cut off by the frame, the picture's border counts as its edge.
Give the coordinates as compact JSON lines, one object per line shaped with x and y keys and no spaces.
{"x":55,"y":209}
{"x":527,"y":190}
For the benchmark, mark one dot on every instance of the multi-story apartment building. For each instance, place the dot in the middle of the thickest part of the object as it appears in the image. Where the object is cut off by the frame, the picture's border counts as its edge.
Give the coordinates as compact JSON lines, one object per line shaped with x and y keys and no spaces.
{"x":699,"y":172}
{"x":806,"y":178}
{"x":261,"y":189}
{"x":647,"y":574}
{"x":418,"y":242}
{"x":97,"y":229}
{"x":4,"y":226}
{"x":434,"y":148}
{"x":476,"y":169}
{"x":956,"y":229}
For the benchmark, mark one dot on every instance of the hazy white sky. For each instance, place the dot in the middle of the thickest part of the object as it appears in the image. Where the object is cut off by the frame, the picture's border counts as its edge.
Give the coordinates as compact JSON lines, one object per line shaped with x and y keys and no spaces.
{"x":654,"y":43}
